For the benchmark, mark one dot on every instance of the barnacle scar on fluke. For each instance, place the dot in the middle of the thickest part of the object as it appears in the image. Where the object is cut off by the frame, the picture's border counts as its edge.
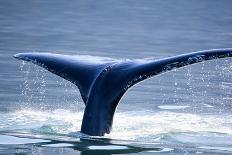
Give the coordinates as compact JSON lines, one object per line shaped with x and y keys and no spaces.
{"x":102,"y":82}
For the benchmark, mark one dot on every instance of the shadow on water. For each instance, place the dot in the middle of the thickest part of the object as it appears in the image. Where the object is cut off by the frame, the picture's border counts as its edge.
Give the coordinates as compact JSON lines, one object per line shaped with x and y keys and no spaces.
{"x":106,"y":147}
{"x":85,"y":146}
{"x":13,"y":143}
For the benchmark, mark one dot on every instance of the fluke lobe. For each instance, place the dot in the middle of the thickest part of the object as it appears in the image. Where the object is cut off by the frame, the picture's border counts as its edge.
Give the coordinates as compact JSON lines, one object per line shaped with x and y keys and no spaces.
{"x":103,"y":81}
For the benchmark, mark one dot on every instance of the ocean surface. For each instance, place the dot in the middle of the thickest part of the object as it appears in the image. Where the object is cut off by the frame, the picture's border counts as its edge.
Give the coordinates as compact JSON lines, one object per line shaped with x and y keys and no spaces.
{"x":185,"y":111}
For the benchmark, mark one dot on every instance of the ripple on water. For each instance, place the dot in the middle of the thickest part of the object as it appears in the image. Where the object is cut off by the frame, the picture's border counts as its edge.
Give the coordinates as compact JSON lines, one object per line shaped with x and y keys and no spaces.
{"x":172,"y":107}
{"x":201,"y":138}
{"x":220,"y":148}
{"x":59,"y":145}
{"x":162,"y":150}
{"x":107,"y":147}
{"x":5,"y":139}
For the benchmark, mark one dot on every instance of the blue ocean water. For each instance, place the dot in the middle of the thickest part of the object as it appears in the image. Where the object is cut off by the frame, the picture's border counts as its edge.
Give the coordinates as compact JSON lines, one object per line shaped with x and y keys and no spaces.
{"x":184,"y":111}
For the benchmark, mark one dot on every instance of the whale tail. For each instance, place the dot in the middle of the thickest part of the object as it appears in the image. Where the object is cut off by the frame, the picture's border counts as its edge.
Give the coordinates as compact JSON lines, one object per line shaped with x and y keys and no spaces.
{"x":76,"y":69}
{"x":103,"y":81}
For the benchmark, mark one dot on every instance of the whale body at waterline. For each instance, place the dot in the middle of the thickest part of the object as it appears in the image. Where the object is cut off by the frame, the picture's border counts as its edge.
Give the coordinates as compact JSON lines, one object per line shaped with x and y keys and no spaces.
{"x":103,"y":81}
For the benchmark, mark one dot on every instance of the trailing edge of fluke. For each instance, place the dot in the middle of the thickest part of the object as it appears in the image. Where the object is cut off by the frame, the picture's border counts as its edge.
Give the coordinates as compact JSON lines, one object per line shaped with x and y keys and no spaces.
{"x":103,"y":81}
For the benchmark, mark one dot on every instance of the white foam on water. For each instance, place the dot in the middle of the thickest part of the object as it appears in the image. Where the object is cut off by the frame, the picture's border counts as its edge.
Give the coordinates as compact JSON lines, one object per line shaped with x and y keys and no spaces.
{"x":58,"y":121}
{"x":146,"y":126}
{"x":150,"y":125}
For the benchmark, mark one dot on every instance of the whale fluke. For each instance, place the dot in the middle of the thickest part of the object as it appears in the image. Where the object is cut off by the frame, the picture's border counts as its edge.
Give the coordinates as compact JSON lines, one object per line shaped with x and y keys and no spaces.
{"x":103,"y":81}
{"x":76,"y":69}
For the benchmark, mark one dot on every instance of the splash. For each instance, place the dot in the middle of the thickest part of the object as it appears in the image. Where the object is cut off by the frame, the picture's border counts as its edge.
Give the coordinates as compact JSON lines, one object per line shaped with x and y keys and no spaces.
{"x":37,"y":90}
{"x":33,"y":86}
{"x":177,"y":118}
{"x":145,"y":126}
{"x":206,"y":84}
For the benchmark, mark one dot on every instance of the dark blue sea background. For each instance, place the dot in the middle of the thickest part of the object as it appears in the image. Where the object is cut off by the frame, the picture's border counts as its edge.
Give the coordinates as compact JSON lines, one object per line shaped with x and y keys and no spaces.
{"x":185,"y":111}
